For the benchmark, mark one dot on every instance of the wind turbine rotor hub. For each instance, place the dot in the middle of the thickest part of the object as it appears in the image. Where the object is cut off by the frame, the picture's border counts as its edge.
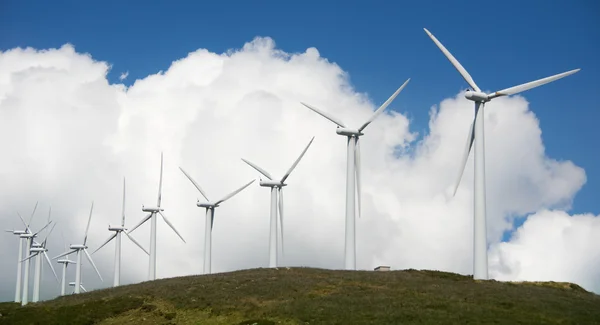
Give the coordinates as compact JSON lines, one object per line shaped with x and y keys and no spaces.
{"x":152,"y":209}
{"x":476,"y":96}
{"x":348,"y":132}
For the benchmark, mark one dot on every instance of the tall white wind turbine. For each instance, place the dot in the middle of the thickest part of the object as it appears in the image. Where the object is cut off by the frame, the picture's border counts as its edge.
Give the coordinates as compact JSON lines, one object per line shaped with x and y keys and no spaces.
{"x":276,"y":190}
{"x":210,"y":214}
{"x":22,"y":240}
{"x":352,"y":171}
{"x":152,"y":216}
{"x":78,"y":248}
{"x":38,"y":250}
{"x":65,"y":262}
{"x":118,"y":230}
{"x":476,"y":133}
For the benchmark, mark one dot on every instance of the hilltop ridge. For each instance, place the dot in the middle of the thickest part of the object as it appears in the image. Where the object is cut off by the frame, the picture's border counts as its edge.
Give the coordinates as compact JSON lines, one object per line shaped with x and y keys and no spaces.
{"x":317,"y":296}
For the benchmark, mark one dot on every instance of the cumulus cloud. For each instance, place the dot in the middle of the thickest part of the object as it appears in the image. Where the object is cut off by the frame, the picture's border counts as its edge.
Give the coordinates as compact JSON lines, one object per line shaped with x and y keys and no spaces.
{"x":124,"y":75}
{"x":71,"y":137}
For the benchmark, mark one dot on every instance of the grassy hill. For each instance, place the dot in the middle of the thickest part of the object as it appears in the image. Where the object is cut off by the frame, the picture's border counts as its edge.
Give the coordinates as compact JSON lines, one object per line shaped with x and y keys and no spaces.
{"x":315,"y":296}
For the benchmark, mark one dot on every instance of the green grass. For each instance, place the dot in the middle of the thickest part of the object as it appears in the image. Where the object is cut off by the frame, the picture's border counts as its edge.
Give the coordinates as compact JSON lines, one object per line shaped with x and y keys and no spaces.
{"x":315,"y":296}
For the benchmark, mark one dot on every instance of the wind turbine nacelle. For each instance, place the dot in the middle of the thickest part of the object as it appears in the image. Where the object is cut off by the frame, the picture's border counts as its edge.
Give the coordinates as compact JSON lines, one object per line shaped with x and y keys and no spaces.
{"x":476,"y":96}
{"x":271,"y":183}
{"x":348,"y":132}
{"x":206,"y":205}
{"x":37,"y":249}
{"x":67,"y":261}
{"x":77,"y":247}
{"x":116,"y":228}
{"x":27,"y":235}
{"x":19,"y":232}
{"x":151,"y":209}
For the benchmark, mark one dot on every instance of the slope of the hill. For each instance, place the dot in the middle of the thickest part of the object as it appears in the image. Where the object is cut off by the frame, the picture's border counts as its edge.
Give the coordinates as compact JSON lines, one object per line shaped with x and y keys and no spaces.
{"x":315,"y":296}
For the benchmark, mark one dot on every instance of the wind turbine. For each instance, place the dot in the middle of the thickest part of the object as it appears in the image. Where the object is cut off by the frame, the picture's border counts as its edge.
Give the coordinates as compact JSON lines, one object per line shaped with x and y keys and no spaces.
{"x":210,"y":214}
{"x":65,"y":262}
{"x":480,"y":261}
{"x":72,"y":284}
{"x":37,"y":250}
{"x":22,"y":240}
{"x":276,"y":189}
{"x":29,"y":236}
{"x":78,"y":248}
{"x":118,"y":230}
{"x":152,"y":216}
{"x":352,"y":170}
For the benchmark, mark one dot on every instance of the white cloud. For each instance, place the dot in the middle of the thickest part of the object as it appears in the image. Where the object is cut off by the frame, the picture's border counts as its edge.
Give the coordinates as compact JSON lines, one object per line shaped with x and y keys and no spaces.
{"x":73,"y":136}
{"x":124,"y":75}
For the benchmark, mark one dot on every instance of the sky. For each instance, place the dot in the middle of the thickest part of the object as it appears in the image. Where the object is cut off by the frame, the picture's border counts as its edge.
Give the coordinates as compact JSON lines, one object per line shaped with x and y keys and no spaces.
{"x":93,"y":93}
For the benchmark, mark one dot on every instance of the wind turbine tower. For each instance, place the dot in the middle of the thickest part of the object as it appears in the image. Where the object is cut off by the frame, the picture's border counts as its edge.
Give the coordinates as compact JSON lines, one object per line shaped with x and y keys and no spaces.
{"x":352,"y":170}
{"x":210,"y":214}
{"x":276,"y":190}
{"x":117,"y":236}
{"x":153,"y":211}
{"x":79,"y":248}
{"x":476,"y":133}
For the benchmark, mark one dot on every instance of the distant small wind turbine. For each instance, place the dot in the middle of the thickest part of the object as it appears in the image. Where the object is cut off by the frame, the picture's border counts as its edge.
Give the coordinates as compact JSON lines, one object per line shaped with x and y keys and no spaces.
{"x":476,"y":133}
{"x":118,"y":230}
{"x":38,"y":250}
{"x":276,"y":189}
{"x":210,"y":214}
{"x":81,"y":248}
{"x":352,"y":170}
{"x":152,"y":216}
{"x":72,"y":284}
{"x":65,"y":262}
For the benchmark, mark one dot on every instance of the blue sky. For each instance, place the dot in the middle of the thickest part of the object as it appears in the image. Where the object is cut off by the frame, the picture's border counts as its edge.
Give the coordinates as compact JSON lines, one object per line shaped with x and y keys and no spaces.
{"x":379,"y":43}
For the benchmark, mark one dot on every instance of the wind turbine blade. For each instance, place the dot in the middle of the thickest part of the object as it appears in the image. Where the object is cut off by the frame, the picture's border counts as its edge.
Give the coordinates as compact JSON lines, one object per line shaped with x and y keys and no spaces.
{"x":382,"y":107}
{"x":65,"y":254}
{"x":8,"y":230}
{"x":463,"y":72}
{"x":467,"y":150}
{"x":325,"y":115}
{"x":49,"y":213}
{"x":260,"y":170}
{"x":88,"y":224}
{"x":281,"y":218}
{"x":92,"y":262}
{"x":357,"y":171}
{"x":32,"y":213}
{"x":529,"y":85}
{"x":195,"y":184}
{"x":297,"y":161}
{"x":48,"y":235}
{"x":233,"y":193}
{"x":135,"y":242}
{"x":30,"y":256}
{"x":160,"y":181}
{"x":171,"y":225}
{"x":82,"y":288}
{"x":123,"y":210}
{"x":51,"y":267}
{"x":44,"y":227}
{"x":106,"y":242}
{"x":140,"y":223}
{"x":24,"y":223}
